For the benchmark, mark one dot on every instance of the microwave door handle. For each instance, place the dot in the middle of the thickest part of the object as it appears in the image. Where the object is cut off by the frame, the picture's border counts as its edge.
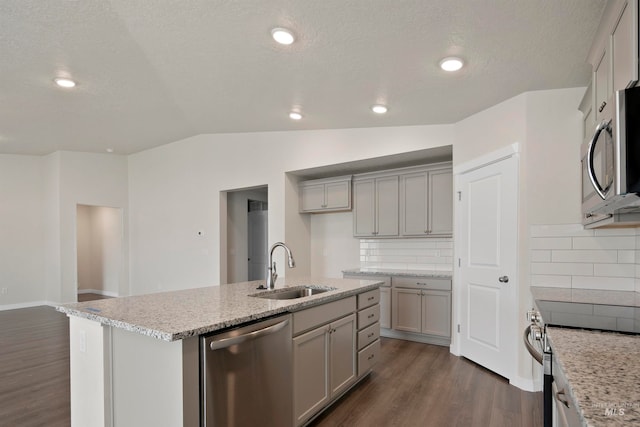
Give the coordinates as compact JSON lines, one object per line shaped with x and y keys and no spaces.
{"x":590,"y":169}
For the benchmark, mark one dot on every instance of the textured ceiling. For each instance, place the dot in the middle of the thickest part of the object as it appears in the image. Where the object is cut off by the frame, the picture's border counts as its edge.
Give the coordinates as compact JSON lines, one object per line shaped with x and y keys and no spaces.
{"x":152,"y":72}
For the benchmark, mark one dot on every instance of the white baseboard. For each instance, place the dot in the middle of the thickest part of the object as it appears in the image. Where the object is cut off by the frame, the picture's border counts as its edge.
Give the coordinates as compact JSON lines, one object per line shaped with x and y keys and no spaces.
{"x":526,"y":384}
{"x":99,"y":292}
{"x":26,"y":305}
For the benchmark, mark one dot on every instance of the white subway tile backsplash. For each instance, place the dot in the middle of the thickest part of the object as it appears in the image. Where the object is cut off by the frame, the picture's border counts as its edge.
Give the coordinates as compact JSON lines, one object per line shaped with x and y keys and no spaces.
{"x":412,"y":254}
{"x":610,"y":283}
{"x":568,"y":256}
{"x":540,"y":256}
{"x":559,"y":230}
{"x":615,"y":232}
{"x":551,"y":243}
{"x":626,"y":257}
{"x":566,"y":268}
{"x":589,"y":256}
{"x":608,"y":242}
{"x":550,"y":281}
{"x":614,"y":270}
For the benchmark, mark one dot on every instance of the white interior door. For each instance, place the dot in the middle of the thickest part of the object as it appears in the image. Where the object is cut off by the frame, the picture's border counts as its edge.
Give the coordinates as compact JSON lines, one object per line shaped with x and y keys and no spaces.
{"x":487,"y":239}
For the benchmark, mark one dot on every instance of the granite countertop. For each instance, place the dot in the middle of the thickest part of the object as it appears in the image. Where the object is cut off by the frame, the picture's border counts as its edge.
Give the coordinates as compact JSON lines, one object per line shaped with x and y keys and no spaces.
{"x":603,"y":371}
{"x":394,"y":272}
{"x":172,"y":316}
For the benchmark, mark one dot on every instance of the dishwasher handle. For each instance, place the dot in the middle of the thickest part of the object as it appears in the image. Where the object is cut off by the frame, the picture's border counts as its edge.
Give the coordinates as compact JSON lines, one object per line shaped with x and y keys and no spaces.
{"x":228,"y":342}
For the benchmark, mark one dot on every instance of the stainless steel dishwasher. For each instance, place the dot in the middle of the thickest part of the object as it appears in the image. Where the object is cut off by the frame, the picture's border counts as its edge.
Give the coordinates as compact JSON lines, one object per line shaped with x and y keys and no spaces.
{"x":246,"y":375}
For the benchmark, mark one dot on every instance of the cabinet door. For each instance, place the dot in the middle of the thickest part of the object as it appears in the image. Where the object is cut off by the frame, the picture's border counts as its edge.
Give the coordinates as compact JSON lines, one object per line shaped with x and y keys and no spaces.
{"x":440,"y":202}
{"x":385,"y":308}
{"x":624,"y":44}
{"x":312,"y":198}
{"x":387,"y":206}
{"x":413,"y":204}
{"x":407,"y":308}
{"x":310,"y":373}
{"x":338,"y":195}
{"x":436,"y":313}
{"x":601,"y":85}
{"x":364,"y":207}
{"x":342,"y":365}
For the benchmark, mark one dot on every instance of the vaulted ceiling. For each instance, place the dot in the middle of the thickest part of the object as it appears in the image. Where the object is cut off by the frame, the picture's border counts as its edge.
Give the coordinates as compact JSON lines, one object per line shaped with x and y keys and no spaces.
{"x":150,"y":72}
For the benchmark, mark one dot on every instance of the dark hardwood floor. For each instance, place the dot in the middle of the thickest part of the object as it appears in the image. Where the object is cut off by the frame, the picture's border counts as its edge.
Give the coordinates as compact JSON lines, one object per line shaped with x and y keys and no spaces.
{"x":424,"y":385}
{"x":90,"y":297}
{"x":413,"y":385}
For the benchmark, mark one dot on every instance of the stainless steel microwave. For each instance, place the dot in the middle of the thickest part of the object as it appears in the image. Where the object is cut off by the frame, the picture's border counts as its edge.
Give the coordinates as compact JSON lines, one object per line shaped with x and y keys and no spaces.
{"x":611,"y":160}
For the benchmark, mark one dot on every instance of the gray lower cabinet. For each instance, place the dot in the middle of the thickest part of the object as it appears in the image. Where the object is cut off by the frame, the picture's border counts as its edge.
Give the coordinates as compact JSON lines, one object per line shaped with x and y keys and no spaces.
{"x":324,"y":356}
{"x":422,"y":306}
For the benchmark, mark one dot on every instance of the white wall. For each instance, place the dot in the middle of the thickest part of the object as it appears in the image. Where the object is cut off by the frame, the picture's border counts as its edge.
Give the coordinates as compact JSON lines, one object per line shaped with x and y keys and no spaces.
{"x":22,"y":230}
{"x":333,"y":247}
{"x":88,"y":179}
{"x":174,"y":191}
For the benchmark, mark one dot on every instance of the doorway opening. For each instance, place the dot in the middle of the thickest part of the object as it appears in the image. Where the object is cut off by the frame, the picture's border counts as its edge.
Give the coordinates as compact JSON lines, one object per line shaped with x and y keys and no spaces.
{"x":247,"y":234}
{"x":99,"y":244}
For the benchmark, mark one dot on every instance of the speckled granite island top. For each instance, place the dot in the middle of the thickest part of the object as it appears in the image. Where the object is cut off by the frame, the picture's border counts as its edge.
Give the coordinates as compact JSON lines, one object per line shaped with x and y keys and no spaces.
{"x":172,"y":316}
{"x":603,"y":371}
{"x":370,"y":271}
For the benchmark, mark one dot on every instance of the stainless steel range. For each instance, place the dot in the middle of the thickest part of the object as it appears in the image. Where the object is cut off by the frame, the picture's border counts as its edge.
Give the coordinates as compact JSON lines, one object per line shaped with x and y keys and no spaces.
{"x":615,"y":311}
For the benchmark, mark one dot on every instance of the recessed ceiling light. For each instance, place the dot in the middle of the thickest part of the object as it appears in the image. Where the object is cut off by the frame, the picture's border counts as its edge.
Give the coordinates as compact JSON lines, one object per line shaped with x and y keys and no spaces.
{"x":451,"y":63}
{"x":109,"y":150}
{"x":63,"y":82}
{"x":379,"y":109}
{"x":282,"y":35}
{"x":294,"y":115}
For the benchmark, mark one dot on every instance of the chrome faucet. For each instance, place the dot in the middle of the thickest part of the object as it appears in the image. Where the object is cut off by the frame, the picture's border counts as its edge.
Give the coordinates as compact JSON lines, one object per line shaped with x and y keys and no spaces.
{"x":271,"y":269}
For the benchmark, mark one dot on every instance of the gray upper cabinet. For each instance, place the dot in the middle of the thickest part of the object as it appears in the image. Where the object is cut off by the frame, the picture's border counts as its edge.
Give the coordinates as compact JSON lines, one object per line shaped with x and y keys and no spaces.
{"x":614,"y":53}
{"x":426,"y":203}
{"x":325,"y":195}
{"x":375,"y":206}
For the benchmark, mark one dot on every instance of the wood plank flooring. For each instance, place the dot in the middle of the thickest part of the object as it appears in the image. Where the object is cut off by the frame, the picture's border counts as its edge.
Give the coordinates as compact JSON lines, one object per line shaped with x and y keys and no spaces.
{"x":424,"y":385}
{"x":413,"y":385}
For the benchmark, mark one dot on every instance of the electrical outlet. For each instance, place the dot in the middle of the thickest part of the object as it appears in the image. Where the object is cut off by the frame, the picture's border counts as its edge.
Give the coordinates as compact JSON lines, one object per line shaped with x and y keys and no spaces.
{"x":4,"y":291}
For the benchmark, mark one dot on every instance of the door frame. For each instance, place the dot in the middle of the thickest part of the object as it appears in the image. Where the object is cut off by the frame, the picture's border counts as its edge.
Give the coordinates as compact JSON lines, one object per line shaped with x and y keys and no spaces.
{"x":458,"y":170}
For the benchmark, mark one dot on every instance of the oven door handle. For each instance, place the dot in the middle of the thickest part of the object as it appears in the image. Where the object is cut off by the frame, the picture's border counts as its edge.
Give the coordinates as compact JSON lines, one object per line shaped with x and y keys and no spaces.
{"x":530,"y":348}
{"x":604,"y":126}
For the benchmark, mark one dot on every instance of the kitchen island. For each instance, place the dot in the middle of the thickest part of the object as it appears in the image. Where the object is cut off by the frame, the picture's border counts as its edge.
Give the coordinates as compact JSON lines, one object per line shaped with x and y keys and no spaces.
{"x":135,"y":360}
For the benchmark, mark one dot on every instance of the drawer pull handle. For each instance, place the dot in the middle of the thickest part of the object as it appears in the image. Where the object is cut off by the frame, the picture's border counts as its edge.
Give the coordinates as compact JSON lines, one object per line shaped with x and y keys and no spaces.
{"x":370,"y":316}
{"x":421,"y":283}
{"x":564,"y":401}
{"x":371,"y":357}
{"x":371,"y":334}
{"x":371,"y":298}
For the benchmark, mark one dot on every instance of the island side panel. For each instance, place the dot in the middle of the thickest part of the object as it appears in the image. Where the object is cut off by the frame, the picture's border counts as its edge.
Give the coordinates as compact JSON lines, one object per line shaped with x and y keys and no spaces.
{"x":153,"y":381}
{"x":89,"y":357}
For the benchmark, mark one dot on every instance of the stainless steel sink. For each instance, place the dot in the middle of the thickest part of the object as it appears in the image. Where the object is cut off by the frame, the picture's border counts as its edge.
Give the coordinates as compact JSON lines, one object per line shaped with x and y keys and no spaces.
{"x":293,"y":293}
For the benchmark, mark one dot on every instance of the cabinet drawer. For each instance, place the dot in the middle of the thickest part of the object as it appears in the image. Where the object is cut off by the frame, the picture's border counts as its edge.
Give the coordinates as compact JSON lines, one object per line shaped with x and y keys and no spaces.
{"x":369,"y":298}
{"x":368,"y":316}
{"x":368,"y":335}
{"x":422,"y":283}
{"x":321,"y":314}
{"x":368,"y":357}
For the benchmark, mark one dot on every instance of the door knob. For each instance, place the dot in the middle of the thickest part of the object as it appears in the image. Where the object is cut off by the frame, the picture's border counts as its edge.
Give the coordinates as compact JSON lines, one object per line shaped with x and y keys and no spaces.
{"x":503,"y":279}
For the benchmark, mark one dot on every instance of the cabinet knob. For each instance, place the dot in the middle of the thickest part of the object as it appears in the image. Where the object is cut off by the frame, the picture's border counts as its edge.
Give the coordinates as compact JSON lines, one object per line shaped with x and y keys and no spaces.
{"x":503,"y":279}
